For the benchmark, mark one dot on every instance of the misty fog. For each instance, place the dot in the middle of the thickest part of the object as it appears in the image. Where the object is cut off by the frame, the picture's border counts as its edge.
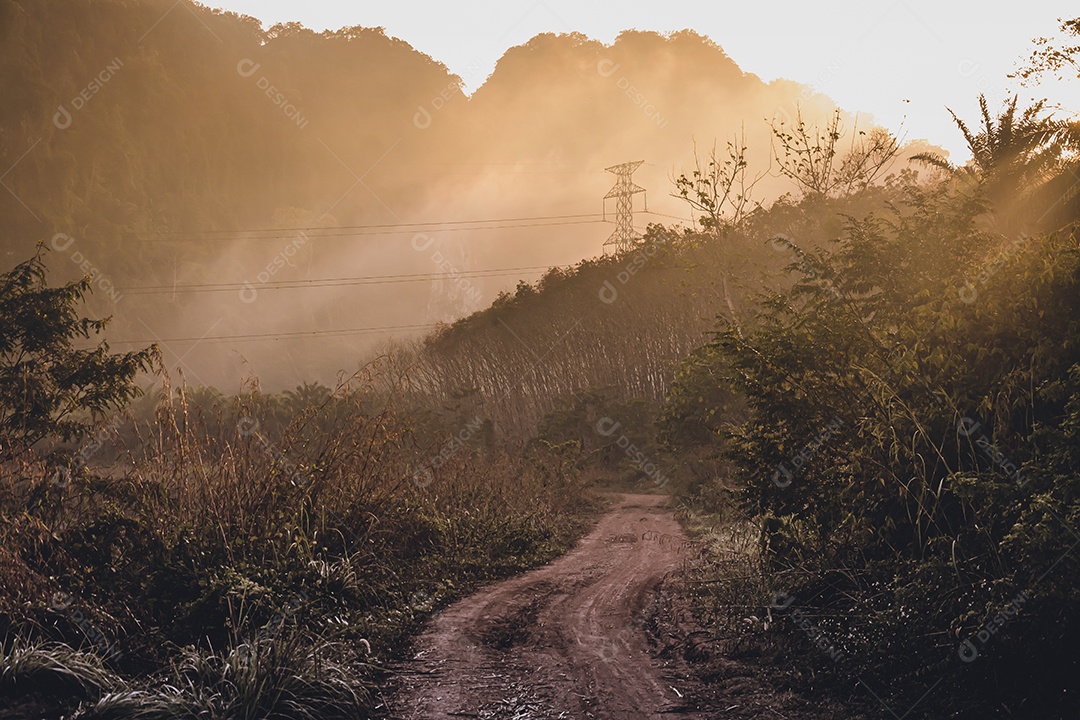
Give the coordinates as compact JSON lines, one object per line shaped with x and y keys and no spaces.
{"x":278,"y":205}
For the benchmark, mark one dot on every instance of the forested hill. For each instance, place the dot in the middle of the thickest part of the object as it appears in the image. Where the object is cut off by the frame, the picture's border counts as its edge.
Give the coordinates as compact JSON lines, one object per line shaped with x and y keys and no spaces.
{"x":141,"y":118}
{"x":153,"y":133}
{"x":186,"y":119}
{"x":860,"y":385}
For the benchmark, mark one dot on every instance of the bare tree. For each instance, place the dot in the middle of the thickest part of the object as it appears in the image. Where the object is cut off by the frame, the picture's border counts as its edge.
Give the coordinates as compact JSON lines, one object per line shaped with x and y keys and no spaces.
{"x":719,"y":188}
{"x":812,"y":157}
{"x":721,"y":191}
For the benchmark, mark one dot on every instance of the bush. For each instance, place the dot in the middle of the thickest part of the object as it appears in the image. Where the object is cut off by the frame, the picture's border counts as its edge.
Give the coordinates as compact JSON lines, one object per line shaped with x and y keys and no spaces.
{"x":911,"y":452}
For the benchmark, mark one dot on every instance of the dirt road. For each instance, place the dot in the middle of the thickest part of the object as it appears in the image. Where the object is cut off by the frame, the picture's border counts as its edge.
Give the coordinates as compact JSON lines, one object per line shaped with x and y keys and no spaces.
{"x":565,"y":641}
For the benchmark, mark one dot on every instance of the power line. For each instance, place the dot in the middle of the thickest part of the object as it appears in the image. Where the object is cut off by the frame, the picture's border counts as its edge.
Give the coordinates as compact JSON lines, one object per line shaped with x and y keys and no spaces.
{"x":332,"y":282}
{"x":581,"y":168}
{"x":352,"y":234}
{"x":483,"y":168}
{"x":277,"y":336}
{"x":321,"y":231}
{"x":355,"y":231}
{"x":673,"y":217}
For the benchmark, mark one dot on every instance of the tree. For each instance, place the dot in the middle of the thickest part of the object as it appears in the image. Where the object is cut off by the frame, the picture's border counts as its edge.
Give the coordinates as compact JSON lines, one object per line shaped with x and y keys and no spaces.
{"x":48,"y":387}
{"x":1060,"y":58}
{"x":721,"y":193}
{"x":812,"y":158}
{"x":719,"y":189}
{"x":1013,"y":155}
{"x":307,"y":396}
{"x":1007,"y":148}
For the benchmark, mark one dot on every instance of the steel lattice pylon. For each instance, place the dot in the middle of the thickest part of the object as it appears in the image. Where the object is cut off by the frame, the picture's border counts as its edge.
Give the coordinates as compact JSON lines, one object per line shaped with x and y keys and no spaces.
{"x":624,"y":191}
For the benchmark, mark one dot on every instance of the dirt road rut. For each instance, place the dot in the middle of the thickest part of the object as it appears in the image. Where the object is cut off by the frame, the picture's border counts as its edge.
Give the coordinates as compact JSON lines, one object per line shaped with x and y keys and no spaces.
{"x":565,"y":641}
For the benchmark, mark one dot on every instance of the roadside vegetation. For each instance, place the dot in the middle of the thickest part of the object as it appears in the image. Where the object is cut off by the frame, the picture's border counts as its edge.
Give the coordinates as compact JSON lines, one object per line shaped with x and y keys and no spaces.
{"x":900,"y":423}
{"x":864,"y":398}
{"x":234,"y":557}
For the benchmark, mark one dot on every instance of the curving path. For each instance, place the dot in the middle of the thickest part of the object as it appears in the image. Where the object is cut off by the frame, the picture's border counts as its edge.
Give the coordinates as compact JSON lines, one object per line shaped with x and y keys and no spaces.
{"x":567,"y":640}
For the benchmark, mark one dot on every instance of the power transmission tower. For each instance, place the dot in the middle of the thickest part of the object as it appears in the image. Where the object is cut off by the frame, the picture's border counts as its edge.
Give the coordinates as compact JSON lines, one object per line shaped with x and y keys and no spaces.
{"x":624,"y":191}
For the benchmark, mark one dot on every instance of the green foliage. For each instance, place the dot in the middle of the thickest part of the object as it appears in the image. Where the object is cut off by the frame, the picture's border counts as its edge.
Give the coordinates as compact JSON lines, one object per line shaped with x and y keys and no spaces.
{"x":282,"y":540}
{"x":48,"y":386}
{"x":876,"y":505}
{"x":1015,"y":159}
{"x":703,"y":399}
{"x":616,"y":439}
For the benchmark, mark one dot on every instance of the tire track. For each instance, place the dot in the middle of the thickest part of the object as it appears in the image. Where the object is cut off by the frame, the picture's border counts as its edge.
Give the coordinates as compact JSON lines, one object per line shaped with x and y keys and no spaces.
{"x":567,"y":640}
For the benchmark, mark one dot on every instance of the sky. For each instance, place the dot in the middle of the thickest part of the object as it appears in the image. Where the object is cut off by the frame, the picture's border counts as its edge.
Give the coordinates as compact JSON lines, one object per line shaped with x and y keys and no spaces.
{"x":900,"y":61}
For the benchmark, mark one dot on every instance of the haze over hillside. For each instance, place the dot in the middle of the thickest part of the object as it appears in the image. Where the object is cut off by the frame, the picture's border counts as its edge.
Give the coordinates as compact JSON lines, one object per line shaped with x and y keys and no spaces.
{"x":146,"y":148}
{"x":315,"y":370}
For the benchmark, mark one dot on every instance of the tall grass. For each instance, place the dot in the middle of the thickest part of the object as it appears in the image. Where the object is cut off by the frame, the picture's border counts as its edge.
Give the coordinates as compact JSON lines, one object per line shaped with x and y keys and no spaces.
{"x":298,"y":536}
